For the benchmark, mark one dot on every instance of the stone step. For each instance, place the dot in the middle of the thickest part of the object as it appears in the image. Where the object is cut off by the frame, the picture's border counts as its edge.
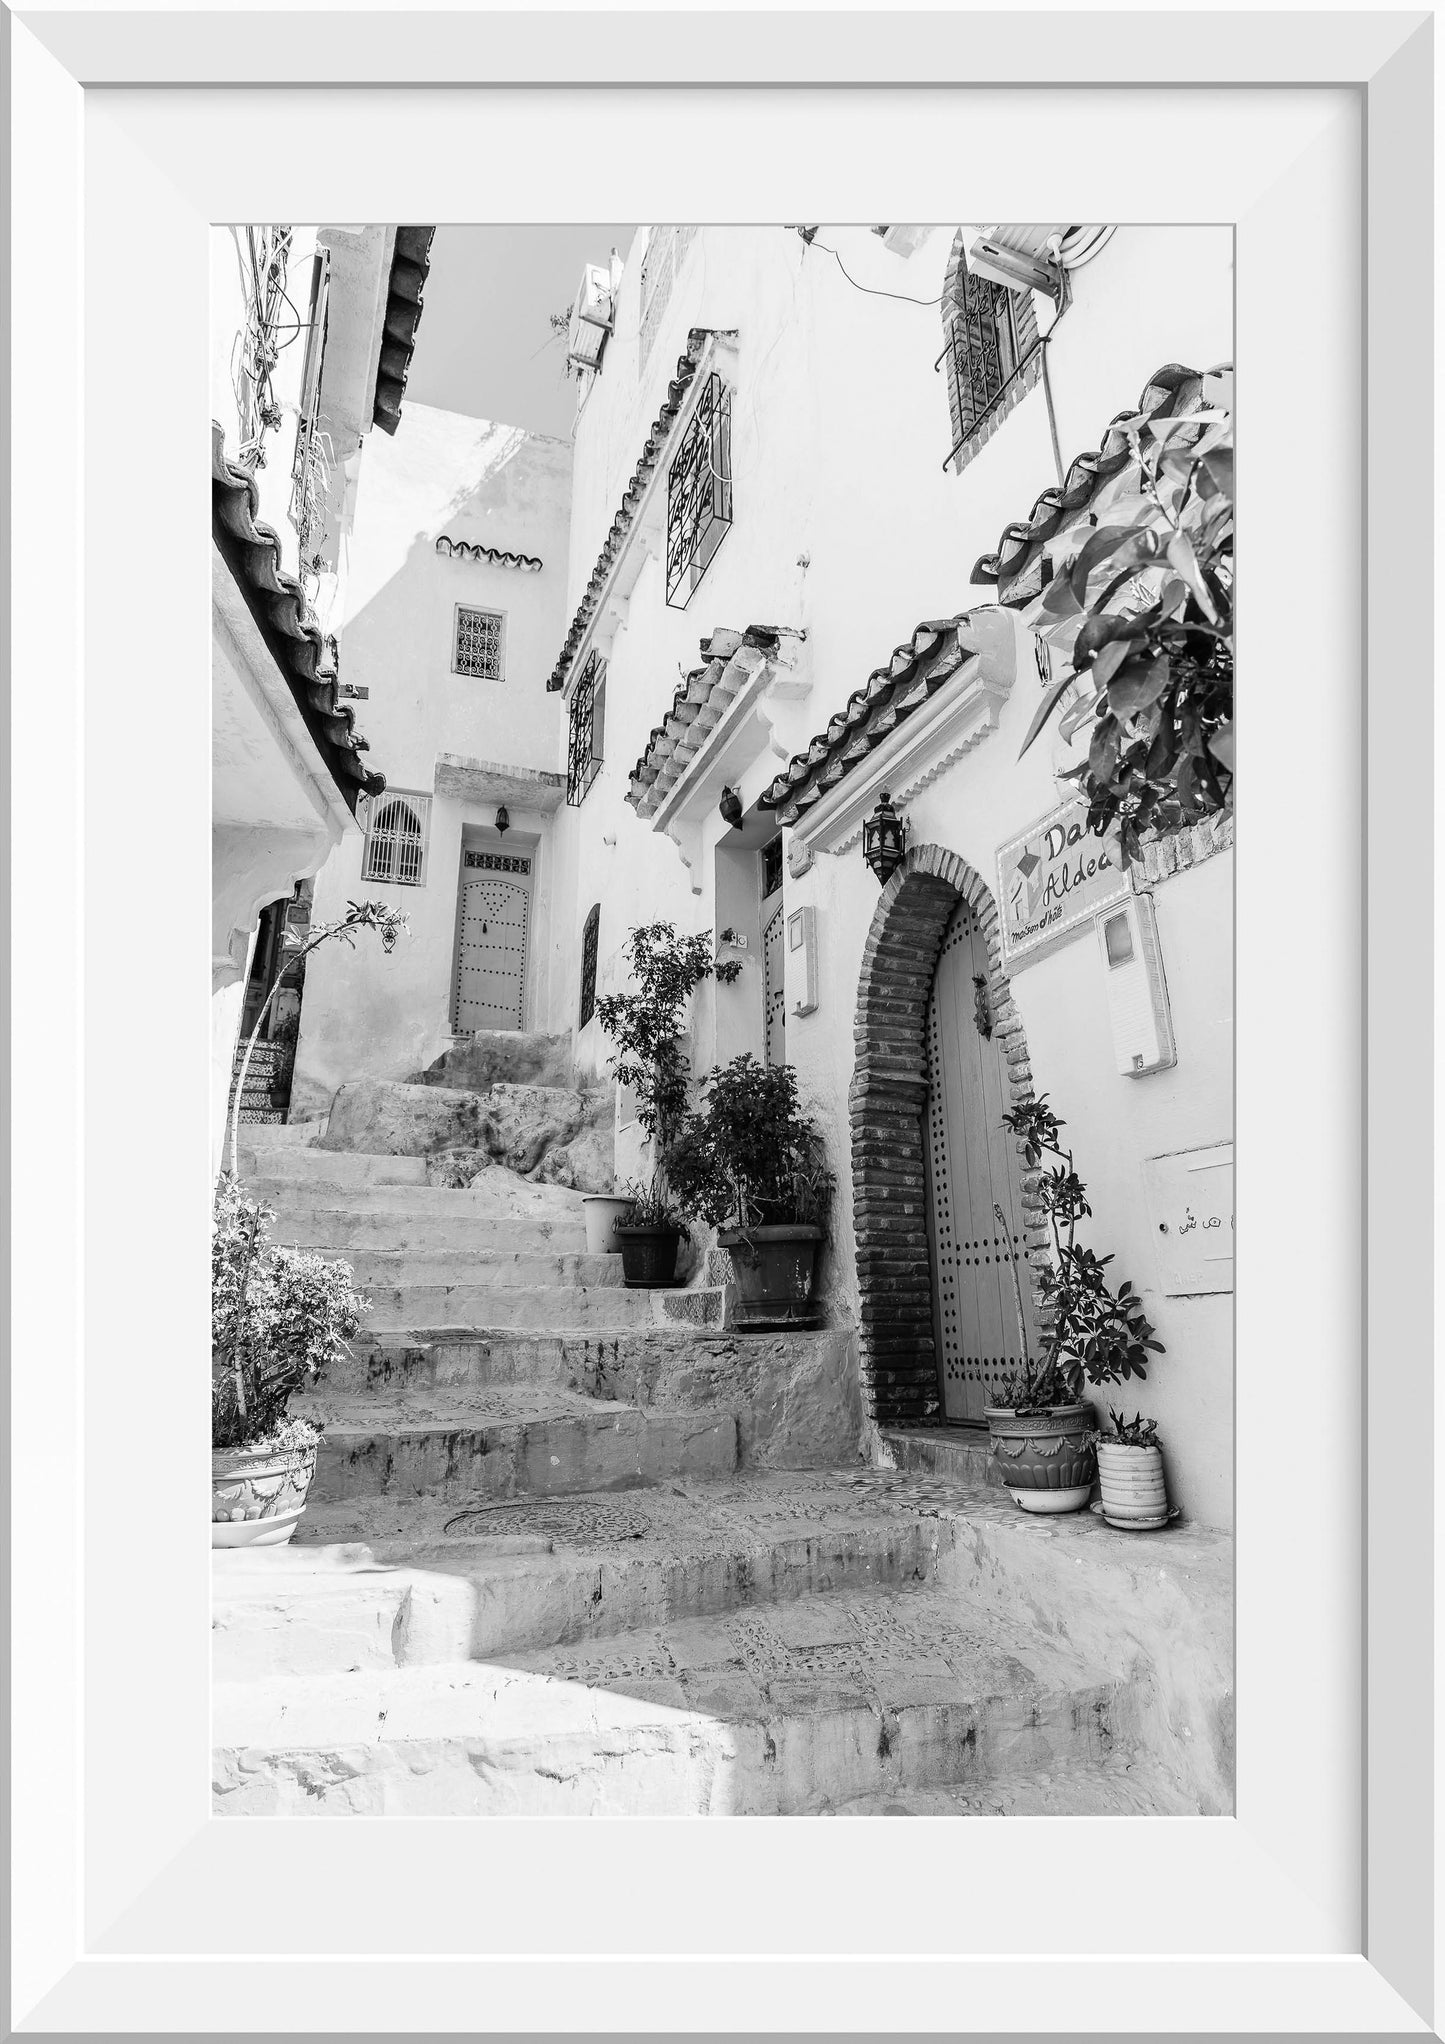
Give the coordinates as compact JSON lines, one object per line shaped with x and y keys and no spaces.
{"x":316,"y":1170}
{"x":382,"y":1582}
{"x":957,"y":1454}
{"x":779,"y":1709}
{"x":521,"y":1200}
{"x":379,"y":1583}
{"x":338,"y":1230}
{"x":675,"y":1366}
{"x":549,"y":1309}
{"x":507,"y":1442}
{"x":383,"y":1268}
{"x":1128,"y":1784}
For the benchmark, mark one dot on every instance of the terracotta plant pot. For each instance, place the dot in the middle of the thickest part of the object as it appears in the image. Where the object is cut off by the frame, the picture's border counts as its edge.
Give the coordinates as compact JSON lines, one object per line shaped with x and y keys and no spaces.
{"x":649,"y":1256}
{"x":1046,"y":1459}
{"x":259,"y":1493}
{"x":1131,"y":1483}
{"x":776,"y":1270}
{"x":599,"y":1212}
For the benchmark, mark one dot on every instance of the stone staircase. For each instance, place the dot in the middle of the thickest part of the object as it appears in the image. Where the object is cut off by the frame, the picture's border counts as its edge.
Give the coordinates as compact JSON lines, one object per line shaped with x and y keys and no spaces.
{"x":577,"y":1549}
{"x":267,"y":1091}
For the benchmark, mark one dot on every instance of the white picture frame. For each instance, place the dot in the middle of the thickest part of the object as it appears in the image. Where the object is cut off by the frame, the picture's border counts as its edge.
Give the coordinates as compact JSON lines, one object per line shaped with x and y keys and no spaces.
{"x":1315,"y":1908}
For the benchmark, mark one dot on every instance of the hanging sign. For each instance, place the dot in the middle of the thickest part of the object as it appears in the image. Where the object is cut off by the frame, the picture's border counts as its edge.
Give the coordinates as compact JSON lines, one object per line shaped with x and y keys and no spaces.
{"x":1053,"y":880}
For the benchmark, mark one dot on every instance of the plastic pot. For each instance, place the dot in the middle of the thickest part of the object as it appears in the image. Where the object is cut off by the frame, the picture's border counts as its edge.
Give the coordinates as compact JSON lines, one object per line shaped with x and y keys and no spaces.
{"x":1046,"y":1459}
{"x":776,"y":1270}
{"x":1131,"y":1484}
{"x":600,"y":1210}
{"x":649,"y":1256}
{"x":259,"y":1493}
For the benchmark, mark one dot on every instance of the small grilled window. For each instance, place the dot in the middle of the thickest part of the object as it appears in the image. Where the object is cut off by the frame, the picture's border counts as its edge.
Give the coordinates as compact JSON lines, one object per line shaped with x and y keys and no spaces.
{"x":771,"y":861}
{"x":588,"y":1003}
{"x":586,"y":715}
{"x":699,"y":493}
{"x":991,"y":342}
{"x":396,"y":839}
{"x":477,"y":644}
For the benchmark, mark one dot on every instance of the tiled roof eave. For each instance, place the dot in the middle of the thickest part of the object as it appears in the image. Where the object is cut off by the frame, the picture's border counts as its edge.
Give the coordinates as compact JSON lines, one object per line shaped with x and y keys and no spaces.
{"x":305,"y":656}
{"x":625,"y":519}
{"x":1171,"y":390}
{"x":701,"y":703}
{"x":410,"y":263}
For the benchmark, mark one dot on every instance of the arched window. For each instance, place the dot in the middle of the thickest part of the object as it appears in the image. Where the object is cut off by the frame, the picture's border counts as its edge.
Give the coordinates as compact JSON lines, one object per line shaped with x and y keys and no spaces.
{"x":991,"y":344}
{"x":589,"y":965}
{"x":396,"y":835}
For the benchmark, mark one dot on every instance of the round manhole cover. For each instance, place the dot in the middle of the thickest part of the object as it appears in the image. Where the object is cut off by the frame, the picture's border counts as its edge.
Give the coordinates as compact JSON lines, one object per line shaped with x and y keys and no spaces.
{"x":574,"y":1521}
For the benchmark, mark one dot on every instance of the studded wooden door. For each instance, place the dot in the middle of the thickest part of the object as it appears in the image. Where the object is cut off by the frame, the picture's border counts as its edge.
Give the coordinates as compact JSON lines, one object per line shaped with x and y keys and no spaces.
{"x":491,"y":955}
{"x":775,"y":1018}
{"x":971,"y":1163}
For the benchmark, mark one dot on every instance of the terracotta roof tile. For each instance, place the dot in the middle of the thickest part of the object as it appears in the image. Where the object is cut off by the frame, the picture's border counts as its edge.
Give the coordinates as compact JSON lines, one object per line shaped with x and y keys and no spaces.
{"x":305,"y":656}
{"x":410,"y":262}
{"x":698,"y":704}
{"x":1016,"y":565}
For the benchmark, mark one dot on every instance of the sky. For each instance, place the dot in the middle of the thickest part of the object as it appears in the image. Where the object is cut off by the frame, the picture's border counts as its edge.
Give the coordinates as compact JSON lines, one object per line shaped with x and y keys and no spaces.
{"x":483,"y":345}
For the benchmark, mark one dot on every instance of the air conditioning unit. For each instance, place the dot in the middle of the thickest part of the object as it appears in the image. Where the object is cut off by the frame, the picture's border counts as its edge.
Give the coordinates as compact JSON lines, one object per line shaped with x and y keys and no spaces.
{"x":1031,"y":257}
{"x":593,"y":316}
{"x":1020,"y":269}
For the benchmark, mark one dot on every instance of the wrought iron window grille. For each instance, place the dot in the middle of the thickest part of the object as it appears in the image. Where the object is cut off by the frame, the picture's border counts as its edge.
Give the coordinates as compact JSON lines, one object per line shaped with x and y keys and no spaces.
{"x":699,"y":493}
{"x":585,"y":729}
{"x":588,"y":1003}
{"x":991,"y":349}
{"x":396,"y":839}
{"x":477,"y":644}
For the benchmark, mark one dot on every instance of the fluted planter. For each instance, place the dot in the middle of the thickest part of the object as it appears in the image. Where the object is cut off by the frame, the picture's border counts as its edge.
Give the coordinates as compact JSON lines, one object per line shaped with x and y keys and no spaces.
{"x":258,"y":1494}
{"x":1046,"y":1459}
{"x":1131,"y":1484}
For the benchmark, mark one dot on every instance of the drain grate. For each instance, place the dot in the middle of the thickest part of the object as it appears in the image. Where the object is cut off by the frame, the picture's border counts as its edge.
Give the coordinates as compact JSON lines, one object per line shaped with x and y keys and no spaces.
{"x":576,"y":1521}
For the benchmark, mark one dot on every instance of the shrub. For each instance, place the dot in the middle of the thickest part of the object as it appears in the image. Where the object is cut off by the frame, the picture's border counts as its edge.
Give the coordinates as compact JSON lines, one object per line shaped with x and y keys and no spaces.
{"x":748,"y":1158}
{"x":277,"y":1317}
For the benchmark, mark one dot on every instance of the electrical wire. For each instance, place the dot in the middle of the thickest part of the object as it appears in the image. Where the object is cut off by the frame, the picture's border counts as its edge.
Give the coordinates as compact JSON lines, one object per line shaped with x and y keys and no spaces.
{"x":1044,"y":340}
{"x":870,"y":290}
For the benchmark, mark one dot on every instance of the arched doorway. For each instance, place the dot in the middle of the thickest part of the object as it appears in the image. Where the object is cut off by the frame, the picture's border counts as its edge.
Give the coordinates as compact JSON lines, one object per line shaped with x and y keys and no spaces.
{"x":889,"y":1104}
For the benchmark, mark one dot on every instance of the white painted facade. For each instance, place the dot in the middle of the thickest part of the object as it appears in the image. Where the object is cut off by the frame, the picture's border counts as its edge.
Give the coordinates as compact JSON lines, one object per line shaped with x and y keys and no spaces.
{"x":458,"y":745}
{"x":849,"y":527}
{"x":277,"y":807}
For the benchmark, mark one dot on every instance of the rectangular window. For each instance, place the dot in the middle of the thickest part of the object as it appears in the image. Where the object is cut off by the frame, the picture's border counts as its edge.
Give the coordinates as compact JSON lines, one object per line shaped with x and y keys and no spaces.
{"x":477,"y":643}
{"x":992,"y":338}
{"x":586,"y":716}
{"x":771,"y":861}
{"x":398,"y":824}
{"x":699,"y":493}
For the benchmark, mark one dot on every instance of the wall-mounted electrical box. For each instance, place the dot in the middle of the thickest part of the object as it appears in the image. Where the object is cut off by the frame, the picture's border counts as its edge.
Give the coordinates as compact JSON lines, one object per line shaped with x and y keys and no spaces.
{"x":1138,"y":997}
{"x":803,"y":959}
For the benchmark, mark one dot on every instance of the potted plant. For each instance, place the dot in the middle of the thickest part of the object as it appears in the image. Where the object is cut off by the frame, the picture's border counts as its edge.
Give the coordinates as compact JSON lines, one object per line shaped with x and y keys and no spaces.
{"x":277,"y":1316}
{"x":1041,"y":1426}
{"x":601,"y":1211}
{"x":1131,"y":1473}
{"x":645,"y":1025}
{"x":648,"y":1232}
{"x":753,"y":1166}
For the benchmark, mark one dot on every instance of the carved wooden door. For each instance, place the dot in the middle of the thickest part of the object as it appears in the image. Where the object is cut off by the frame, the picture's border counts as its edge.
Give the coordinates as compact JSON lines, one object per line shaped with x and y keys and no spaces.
{"x":492,"y":955}
{"x":972,"y":1163}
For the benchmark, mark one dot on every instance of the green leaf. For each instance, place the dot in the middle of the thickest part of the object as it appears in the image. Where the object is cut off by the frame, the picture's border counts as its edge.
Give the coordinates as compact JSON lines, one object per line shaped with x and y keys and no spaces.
{"x":1181,"y":557}
{"x":1059,"y":600}
{"x":1138,"y":685}
{"x":1052,"y":696}
{"x":1222,"y":746}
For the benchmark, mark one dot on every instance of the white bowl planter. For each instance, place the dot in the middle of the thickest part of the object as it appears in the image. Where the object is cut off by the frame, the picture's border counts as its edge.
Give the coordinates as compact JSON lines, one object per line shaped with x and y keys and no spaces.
{"x":600,"y":1213}
{"x":1131,"y":1483}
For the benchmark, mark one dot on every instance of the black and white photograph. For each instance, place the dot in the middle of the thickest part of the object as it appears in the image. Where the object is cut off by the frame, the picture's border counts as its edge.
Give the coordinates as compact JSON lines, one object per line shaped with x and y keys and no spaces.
{"x":722,"y":1047}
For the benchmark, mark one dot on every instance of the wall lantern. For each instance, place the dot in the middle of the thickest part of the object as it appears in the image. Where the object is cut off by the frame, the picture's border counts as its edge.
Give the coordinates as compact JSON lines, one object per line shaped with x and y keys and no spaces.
{"x":730,"y":809}
{"x":504,"y":822}
{"x":883,"y":841}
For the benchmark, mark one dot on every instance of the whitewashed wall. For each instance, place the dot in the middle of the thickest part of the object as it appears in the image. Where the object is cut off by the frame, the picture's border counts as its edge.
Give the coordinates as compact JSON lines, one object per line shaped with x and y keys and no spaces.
{"x":365,"y":1014}
{"x":848,"y":526}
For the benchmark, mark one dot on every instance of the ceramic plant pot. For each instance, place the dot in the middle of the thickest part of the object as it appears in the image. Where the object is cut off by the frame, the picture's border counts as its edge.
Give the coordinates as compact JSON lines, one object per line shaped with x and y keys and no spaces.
{"x":776,"y":1269}
{"x":600,"y":1210}
{"x":649,"y":1256}
{"x":258,"y":1494}
{"x":1131,"y":1484}
{"x":1046,"y":1459}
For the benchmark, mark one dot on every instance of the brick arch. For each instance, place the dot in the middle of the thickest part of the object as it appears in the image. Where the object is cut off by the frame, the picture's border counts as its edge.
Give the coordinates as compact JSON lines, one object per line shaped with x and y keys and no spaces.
{"x":886,"y":1104}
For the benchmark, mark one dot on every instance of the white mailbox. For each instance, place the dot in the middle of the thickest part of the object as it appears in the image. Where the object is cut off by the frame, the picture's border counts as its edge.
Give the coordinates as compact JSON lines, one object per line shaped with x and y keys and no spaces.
{"x":1138,"y":997}
{"x":803,"y":960}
